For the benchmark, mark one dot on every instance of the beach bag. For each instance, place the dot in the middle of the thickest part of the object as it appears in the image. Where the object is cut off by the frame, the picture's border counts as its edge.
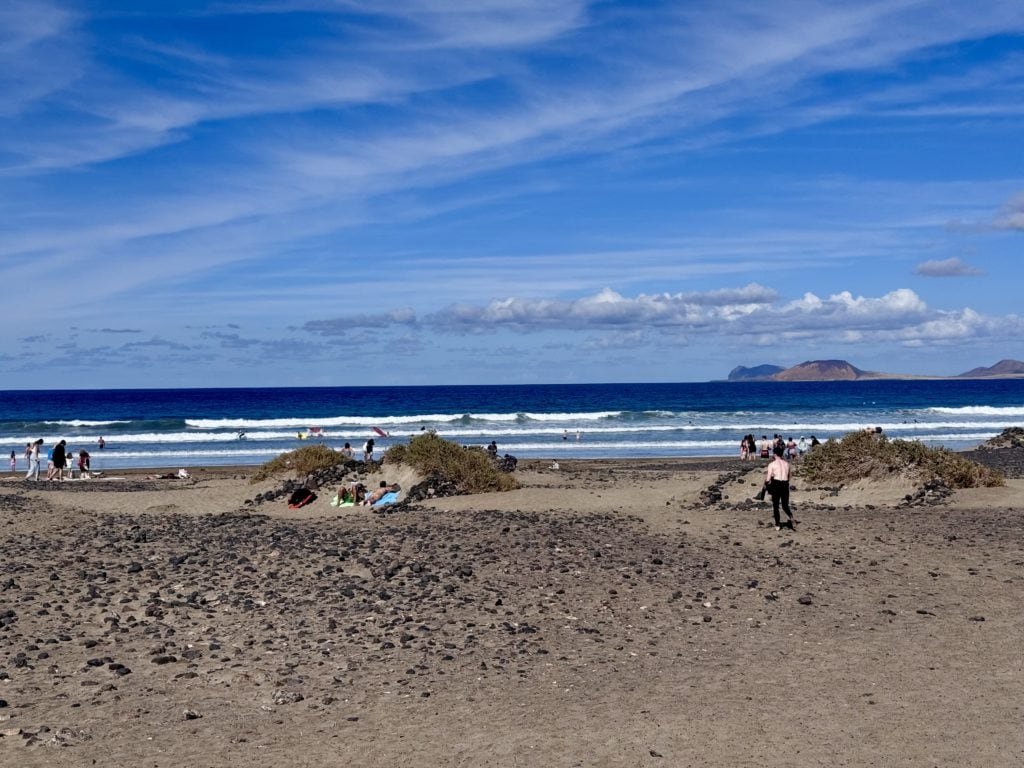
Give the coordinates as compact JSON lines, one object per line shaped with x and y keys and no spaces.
{"x":301,"y":498}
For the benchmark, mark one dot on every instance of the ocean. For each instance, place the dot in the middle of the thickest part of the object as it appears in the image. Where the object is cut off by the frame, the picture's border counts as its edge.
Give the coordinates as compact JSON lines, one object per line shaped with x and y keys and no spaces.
{"x":201,"y":427}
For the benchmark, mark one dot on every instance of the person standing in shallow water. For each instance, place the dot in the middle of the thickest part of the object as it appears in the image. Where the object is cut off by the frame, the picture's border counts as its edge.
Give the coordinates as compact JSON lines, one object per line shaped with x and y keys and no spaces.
{"x":777,"y":480}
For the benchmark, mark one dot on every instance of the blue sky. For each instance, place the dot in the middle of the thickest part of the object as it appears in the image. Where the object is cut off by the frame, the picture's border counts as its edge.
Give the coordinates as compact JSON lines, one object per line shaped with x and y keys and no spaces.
{"x":333,"y":192}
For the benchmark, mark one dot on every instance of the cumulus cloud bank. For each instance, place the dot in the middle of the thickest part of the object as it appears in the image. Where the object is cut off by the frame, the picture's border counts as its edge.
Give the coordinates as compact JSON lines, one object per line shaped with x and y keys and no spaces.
{"x":899,"y":316}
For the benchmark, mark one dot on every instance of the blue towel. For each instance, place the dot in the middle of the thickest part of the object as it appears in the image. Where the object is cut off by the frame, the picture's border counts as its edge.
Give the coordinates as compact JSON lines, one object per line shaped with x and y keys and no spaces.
{"x":387,"y":498}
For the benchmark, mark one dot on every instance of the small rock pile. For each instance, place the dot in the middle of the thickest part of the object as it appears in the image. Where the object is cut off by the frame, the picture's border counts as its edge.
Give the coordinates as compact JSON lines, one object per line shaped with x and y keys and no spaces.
{"x":337,"y":474}
{"x":931,"y":493}
{"x":713,"y":493}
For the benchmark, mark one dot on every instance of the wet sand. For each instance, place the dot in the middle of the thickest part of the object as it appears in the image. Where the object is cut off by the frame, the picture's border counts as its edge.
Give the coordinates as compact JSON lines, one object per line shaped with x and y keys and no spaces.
{"x":607,"y":613}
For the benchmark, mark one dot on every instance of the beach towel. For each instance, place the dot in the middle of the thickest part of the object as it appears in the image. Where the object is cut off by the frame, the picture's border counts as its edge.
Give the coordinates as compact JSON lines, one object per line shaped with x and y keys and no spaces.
{"x":336,"y":502}
{"x":387,"y":498}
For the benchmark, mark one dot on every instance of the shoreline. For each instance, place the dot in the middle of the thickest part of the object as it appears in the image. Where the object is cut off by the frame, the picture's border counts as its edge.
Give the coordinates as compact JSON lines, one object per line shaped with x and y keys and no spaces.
{"x":668,"y":461}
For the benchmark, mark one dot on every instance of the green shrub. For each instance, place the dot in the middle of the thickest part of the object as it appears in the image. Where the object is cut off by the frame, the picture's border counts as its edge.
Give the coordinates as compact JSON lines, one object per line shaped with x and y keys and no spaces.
{"x":301,"y":461}
{"x":861,"y":455}
{"x":470,"y":469}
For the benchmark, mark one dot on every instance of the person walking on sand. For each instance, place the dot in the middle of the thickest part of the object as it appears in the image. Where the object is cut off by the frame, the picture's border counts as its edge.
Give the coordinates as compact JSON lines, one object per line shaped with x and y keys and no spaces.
{"x":368,"y":451}
{"x":777,"y":480}
{"x":14,"y":463}
{"x":33,"y":461}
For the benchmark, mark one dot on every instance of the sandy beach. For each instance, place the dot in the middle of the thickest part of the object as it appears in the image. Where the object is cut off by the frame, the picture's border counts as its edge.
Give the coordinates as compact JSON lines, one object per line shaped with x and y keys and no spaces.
{"x":607,"y":613}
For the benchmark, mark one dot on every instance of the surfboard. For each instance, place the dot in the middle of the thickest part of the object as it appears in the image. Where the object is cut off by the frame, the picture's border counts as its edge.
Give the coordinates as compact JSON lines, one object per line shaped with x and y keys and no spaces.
{"x":380,"y":431}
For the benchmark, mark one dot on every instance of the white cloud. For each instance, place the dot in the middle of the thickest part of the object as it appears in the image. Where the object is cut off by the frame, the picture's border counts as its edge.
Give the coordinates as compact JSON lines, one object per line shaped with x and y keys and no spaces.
{"x":952,"y":267}
{"x":1012,"y":215}
{"x":605,"y":309}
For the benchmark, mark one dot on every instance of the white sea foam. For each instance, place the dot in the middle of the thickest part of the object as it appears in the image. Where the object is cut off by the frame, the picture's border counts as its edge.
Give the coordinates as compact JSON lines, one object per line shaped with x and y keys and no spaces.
{"x":84,"y":423}
{"x":982,"y":410}
{"x":387,"y":421}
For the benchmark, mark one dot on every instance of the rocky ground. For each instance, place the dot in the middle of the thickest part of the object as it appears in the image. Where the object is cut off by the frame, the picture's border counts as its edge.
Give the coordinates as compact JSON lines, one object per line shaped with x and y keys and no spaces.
{"x":638,"y":619}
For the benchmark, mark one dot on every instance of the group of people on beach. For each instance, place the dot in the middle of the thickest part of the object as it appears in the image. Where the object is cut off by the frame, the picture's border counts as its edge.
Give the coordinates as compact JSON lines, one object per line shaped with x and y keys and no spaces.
{"x":355,"y":494}
{"x":792,"y":449}
{"x":59,"y":461}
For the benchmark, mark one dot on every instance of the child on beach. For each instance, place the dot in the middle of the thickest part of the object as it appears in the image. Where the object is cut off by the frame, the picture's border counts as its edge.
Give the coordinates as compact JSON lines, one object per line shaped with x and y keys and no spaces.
{"x":14,"y":463}
{"x":83,"y":463}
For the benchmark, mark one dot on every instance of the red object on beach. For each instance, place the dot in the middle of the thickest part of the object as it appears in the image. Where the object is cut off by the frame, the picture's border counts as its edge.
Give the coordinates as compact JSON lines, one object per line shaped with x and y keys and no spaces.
{"x":380,"y":431}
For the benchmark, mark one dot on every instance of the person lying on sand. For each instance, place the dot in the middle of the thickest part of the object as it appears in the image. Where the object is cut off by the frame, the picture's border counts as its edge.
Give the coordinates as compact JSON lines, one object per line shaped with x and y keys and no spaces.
{"x":384,"y":489}
{"x":350,"y":494}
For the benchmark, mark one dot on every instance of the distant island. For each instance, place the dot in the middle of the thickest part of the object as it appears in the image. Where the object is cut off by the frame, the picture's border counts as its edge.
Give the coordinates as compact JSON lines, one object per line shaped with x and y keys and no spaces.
{"x":841,"y":370}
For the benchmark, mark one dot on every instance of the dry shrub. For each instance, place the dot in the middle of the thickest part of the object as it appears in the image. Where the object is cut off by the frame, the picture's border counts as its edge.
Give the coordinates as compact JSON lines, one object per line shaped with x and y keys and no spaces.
{"x":470,"y":469}
{"x":302,"y":461}
{"x":861,"y":455}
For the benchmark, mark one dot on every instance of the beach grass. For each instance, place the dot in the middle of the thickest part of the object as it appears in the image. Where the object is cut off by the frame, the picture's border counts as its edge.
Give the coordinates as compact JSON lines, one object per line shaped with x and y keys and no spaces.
{"x":302,"y":461}
{"x":868,"y":455}
{"x":469,"y":468}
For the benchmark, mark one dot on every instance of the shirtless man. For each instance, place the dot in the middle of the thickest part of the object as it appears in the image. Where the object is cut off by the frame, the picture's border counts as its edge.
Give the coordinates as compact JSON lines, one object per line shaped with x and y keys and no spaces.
{"x":384,"y":489}
{"x":777,"y":479}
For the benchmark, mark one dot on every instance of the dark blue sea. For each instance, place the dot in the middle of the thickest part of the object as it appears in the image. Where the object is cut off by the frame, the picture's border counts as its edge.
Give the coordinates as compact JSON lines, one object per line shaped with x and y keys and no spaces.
{"x":203,"y":427}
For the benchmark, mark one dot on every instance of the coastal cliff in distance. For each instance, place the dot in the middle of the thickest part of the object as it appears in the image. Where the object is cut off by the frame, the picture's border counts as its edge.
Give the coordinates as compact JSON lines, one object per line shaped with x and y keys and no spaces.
{"x":823,"y":370}
{"x":1002,"y":368}
{"x":841,"y":370}
{"x":810,"y":370}
{"x":756,"y":373}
